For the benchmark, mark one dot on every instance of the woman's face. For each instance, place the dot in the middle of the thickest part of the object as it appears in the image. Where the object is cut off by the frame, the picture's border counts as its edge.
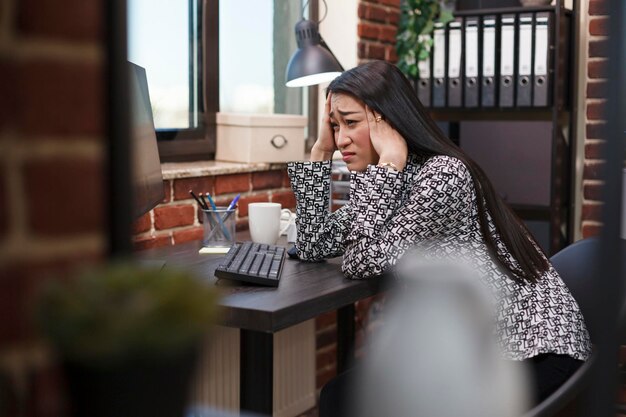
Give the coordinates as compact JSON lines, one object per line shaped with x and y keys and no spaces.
{"x":352,"y":134}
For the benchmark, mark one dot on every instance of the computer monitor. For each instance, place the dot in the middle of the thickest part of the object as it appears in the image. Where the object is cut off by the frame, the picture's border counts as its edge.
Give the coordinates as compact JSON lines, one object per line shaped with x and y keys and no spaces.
{"x":147,"y":179}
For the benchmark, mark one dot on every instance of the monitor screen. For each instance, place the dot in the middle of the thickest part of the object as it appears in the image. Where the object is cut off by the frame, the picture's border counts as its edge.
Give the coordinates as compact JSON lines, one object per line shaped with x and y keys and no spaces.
{"x":147,"y":179}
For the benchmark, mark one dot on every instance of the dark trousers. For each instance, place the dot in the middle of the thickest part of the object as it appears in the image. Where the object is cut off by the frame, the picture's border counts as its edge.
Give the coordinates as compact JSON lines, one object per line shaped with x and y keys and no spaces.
{"x":547,"y":372}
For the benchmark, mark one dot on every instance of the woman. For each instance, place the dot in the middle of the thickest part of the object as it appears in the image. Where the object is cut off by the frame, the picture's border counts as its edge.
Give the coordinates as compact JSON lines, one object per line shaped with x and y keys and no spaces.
{"x":410,"y":185}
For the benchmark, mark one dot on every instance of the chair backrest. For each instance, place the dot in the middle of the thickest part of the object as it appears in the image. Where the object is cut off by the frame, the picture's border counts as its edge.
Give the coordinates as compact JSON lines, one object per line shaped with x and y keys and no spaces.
{"x":577,"y":265}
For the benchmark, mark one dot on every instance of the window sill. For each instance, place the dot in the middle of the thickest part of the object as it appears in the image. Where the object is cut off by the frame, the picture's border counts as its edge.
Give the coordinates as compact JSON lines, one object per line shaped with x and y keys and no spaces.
{"x":176,"y":170}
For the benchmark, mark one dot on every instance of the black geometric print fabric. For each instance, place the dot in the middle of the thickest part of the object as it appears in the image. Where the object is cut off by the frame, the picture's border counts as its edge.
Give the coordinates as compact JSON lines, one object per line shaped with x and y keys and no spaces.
{"x":431,"y":204}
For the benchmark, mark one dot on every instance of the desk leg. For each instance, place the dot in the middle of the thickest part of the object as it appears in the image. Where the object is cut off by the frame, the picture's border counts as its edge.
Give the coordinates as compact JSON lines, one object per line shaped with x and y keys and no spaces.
{"x":345,"y":337}
{"x":256,"y":372}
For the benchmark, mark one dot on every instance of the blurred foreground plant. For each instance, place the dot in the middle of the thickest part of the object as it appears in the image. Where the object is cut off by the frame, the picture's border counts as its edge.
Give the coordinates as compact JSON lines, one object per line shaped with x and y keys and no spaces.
{"x":123,"y":311}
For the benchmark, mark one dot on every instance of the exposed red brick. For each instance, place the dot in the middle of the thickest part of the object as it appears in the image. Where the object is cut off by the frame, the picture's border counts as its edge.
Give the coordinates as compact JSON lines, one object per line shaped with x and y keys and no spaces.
{"x":394,"y":3}
{"x":233,"y":183}
{"x":60,"y":98}
{"x":598,"y":69}
{"x":196,"y":184}
{"x":367,"y":31}
{"x":247,"y":199}
{"x":75,"y":20}
{"x":598,"y":48}
{"x":286,"y":180}
{"x":148,"y":242}
{"x":598,"y":7}
{"x":393,"y":17}
{"x":599,"y":26}
{"x":64,"y":196}
{"x":375,"y":51}
{"x":326,"y":358}
{"x":362,"y":49}
{"x":596,"y":111}
{"x":167,"y":217}
{"x":267,"y":179}
{"x":590,"y":230}
{"x":285,"y":198}
{"x":167,"y":191}
{"x":142,"y":224}
{"x":593,"y":170}
{"x":362,"y":11}
{"x":594,"y":150}
{"x":388,"y":34}
{"x":391,"y":54}
{"x":326,"y":320}
{"x":20,"y":284}
{"x":8,"y":92}
{"x":324,"y":376}
{"x":326,"y":337}
{"x":597,"y":89}
{"x":593,"y":192}
{"x":375,"y":13}
{"x":596,"y":130}
{"x":242,"y":225}
{"x":592,"y":212}
{"x":187,"y":235}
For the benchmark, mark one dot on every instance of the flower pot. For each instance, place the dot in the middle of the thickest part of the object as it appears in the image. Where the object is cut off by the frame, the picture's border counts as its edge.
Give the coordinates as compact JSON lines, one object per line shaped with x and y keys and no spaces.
{"x":143,"y":386}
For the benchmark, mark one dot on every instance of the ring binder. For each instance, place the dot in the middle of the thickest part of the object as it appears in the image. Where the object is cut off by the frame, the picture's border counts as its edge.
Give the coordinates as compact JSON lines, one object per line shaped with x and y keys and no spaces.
{"x":423,"y":82}
{"x":524,"y":62}
{"x":488,"y":80}
{"x":471,"y":62}
{"x":439,"y":66}
{"x":455,"y":51}
{"x":542,"y":85}
{"x":507,"y":59}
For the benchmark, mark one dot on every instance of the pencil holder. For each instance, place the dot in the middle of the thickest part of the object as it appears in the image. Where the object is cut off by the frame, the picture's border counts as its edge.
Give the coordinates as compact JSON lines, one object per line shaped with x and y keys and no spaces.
{"x":219,"y":227}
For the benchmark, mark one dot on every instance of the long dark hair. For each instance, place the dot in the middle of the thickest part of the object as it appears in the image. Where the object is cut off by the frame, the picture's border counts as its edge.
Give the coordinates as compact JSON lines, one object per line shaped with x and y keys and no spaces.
{"x":384,"y":88}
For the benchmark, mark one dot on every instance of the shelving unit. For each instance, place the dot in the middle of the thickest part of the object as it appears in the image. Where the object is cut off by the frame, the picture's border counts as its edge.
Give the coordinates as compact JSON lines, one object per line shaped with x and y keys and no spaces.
{"x":560,"y":113}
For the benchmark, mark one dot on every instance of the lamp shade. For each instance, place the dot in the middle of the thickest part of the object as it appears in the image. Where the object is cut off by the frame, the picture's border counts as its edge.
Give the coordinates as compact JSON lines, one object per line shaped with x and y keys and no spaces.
{"x":313,"y":62}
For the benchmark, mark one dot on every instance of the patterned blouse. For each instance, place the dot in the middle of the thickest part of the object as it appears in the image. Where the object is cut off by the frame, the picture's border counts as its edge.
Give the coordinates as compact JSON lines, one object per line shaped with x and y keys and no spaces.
{"x":431,"y":200}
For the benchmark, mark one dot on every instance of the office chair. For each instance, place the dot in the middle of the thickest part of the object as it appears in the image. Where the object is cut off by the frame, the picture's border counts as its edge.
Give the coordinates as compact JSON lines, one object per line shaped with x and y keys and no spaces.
{"x":577,"y":266}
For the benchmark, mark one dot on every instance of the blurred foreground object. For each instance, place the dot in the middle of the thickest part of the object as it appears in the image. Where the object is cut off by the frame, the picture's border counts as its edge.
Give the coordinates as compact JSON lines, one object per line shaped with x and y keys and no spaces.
{"x":128,"y":337}
{"x":436,"y":354}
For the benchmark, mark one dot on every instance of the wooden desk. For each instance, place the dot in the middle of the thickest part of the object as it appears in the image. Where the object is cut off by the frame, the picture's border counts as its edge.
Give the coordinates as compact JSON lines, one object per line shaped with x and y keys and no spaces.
{"x":306,"y":290}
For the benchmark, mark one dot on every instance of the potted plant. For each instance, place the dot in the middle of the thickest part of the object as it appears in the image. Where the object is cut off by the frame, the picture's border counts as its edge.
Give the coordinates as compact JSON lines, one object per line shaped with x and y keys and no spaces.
{"x":128,"y":337}
{"x":415,"y":28}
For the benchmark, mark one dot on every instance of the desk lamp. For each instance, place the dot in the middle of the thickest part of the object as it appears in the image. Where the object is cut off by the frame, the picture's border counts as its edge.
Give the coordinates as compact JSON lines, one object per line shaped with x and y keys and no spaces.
{"x":313,"y":62}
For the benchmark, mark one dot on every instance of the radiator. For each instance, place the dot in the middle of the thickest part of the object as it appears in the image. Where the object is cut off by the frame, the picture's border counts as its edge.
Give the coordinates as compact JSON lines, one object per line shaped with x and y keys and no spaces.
{"x":217,"y":380}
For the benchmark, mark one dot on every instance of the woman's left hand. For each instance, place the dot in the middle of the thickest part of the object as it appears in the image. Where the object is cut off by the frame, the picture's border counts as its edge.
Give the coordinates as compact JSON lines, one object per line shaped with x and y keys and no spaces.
{"x":387,"y":142}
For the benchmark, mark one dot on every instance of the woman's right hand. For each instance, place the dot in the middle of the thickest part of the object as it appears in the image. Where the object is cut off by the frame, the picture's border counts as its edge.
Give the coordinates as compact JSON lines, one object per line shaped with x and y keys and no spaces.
{"x":325,"y":146}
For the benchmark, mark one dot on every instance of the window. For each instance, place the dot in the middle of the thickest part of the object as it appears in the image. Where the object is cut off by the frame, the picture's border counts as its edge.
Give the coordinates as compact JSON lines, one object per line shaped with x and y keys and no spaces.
{"x":201,"y":56}
{"x":165,"y":37}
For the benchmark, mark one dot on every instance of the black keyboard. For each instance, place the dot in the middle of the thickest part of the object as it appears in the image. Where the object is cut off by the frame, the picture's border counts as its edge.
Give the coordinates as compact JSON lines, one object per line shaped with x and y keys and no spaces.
{"x":255,"y":263}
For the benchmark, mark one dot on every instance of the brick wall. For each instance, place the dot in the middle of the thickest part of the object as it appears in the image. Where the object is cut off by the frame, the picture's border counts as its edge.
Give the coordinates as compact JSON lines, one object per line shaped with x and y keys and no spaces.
{"x":51,"y":176}
{"x":177,"y":218}
{"x":378,"y":24}
{"x":596,"y":94}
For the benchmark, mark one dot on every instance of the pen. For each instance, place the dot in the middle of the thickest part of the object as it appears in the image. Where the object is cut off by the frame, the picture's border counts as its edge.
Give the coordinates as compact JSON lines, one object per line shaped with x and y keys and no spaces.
{"x":206,"y":206}
{"x":219,"y":219}
{"x":233,"y":203}
{"x":200,"y":203}
{"x":230,"y":208}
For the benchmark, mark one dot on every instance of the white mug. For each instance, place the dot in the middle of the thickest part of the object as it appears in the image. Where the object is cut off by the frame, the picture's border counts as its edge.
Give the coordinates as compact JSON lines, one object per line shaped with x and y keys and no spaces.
{"x":264,"y":220}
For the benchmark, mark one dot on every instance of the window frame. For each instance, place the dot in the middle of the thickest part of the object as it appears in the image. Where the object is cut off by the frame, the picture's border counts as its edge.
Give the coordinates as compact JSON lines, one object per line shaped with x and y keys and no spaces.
{"x":198,"y":143}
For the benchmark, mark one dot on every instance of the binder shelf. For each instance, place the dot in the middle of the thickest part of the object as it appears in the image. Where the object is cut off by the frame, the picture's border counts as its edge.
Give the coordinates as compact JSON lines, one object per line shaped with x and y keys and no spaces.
{"x":511,"y":64}
{"x":497,"y":58}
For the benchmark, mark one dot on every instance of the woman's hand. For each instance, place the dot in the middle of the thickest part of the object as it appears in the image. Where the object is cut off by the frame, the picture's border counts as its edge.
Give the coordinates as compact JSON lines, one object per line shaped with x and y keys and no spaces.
{"x":324,"y":146}
{"x":387,"y":142}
